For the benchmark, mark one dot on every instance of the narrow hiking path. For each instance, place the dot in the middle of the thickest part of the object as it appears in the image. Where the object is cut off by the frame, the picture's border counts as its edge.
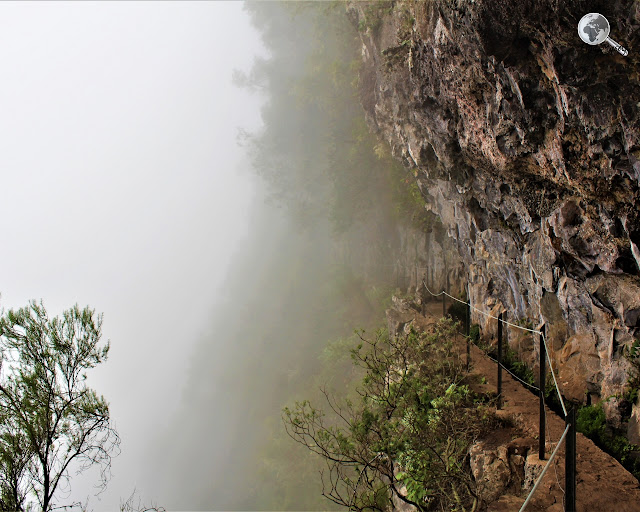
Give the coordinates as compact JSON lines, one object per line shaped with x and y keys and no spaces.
{"x":602,"y":483}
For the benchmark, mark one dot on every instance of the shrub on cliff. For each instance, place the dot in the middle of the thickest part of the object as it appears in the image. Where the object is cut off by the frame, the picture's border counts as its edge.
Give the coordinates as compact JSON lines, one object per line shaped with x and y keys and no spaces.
{"x":406,"y":438}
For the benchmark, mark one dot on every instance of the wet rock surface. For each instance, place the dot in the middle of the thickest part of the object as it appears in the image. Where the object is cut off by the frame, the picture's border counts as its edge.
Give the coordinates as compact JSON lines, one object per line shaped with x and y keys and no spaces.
{"x":526,"y":144}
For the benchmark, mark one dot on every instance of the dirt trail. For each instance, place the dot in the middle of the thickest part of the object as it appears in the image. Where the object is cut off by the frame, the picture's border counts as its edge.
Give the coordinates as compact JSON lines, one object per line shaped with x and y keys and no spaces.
{"x":602,"y":483}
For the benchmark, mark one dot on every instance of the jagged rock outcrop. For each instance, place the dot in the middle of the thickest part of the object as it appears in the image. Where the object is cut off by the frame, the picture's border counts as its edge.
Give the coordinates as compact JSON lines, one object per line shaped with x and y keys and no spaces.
{"x":526,"y":143}
{"x":503,"y":467}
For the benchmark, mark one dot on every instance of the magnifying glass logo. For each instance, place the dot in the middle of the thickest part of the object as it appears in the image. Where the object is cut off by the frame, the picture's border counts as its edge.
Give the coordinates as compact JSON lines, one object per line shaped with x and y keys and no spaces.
{"x":593,"y":28}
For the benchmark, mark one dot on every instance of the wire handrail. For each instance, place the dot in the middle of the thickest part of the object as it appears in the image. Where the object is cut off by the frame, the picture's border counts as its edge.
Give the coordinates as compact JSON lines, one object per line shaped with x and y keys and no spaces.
{"x":513,"y":374}
{"x":515,"y":326}
{"x":555,"y":381}
{"x":535,"y":486}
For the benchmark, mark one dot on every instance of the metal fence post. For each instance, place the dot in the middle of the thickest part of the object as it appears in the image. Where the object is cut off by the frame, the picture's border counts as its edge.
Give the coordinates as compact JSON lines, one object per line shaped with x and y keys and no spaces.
{"x":445,"y":287}
{"x":467,"y":330}
{"x":426,"y":277}
{"x":500,"y":361}
{"x":433,"y":282}
{"x":448,"y":287}
{"x":543,"y":361}
{"x":505,"y":333}
{"x":570,"y":462}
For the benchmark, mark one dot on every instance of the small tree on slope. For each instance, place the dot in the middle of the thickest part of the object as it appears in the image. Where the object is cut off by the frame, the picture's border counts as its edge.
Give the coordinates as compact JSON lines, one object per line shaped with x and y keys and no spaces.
{"x":50,"y":421}
{"x":406,"y":437}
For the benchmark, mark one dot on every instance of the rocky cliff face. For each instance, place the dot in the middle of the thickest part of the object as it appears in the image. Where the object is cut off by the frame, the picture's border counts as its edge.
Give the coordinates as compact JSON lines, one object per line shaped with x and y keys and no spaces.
{"x":526,"y":143}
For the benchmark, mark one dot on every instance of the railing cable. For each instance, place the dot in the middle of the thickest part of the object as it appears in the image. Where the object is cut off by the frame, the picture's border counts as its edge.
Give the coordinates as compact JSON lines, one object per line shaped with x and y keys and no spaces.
{"x":535,"y":486}
{"x":536,"y":388}
{"x":542,"y":336}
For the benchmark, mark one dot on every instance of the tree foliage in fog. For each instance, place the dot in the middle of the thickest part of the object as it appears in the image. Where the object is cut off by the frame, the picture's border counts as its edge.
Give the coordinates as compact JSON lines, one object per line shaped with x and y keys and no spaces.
{"x":51,"y":422}
{"x":316,"y":150}
{"x":307,"y":275}
{"x":406,"y":437}
{"x":346,"y":195}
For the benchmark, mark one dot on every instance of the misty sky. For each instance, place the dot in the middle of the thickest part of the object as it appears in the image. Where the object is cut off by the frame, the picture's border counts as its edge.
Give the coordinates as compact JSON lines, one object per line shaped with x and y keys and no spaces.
{"x":124,"y":187}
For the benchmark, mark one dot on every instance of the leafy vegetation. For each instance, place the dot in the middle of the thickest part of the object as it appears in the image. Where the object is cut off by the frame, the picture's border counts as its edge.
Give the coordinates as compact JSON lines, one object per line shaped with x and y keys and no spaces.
{"x":323,"y":163}
{"x":373,"y":14}
{"x":347,"y":196}
{"x":633,"y":384}
{"x":592,"y":422}
{"x":406,"y":434}
{"x":474,"y":333}
{"x":458,"y":310}
{"x":50,"y":421}
{"x":520,"y":369}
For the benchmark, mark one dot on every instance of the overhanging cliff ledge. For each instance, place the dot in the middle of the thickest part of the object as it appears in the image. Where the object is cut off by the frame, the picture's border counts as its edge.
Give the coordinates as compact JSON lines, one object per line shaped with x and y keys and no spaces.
{"x":525,"y":142}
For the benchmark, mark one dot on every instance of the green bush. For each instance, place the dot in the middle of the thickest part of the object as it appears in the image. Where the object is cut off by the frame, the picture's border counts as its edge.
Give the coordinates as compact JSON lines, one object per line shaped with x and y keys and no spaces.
{"x":474,"y":333}
{"x":592,"y":422}
{"x":517,"y":367}
{"x":457,"y":311}
{"x":412,"y":424}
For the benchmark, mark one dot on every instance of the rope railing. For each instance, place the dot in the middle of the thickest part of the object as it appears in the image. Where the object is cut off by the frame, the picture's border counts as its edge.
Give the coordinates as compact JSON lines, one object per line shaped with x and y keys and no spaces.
{"x":570,"y":420}
{"x":515,"y":326}
{"x":536,"y":388}
{"x":544,"y":470}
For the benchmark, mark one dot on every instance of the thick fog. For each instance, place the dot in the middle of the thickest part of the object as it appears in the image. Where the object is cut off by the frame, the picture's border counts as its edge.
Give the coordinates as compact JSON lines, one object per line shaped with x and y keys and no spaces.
{"x":124,"y":189}
{"x":202,"y":174}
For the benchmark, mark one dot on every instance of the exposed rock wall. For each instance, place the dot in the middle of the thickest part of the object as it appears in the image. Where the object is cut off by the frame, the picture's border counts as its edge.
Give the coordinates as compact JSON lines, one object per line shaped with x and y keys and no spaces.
{"x":525,"y":142}
{"x":430,"y":258}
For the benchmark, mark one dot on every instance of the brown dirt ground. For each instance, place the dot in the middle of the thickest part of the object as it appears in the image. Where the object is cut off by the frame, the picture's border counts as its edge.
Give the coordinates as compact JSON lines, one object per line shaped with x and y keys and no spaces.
{"x":602,"y":483}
